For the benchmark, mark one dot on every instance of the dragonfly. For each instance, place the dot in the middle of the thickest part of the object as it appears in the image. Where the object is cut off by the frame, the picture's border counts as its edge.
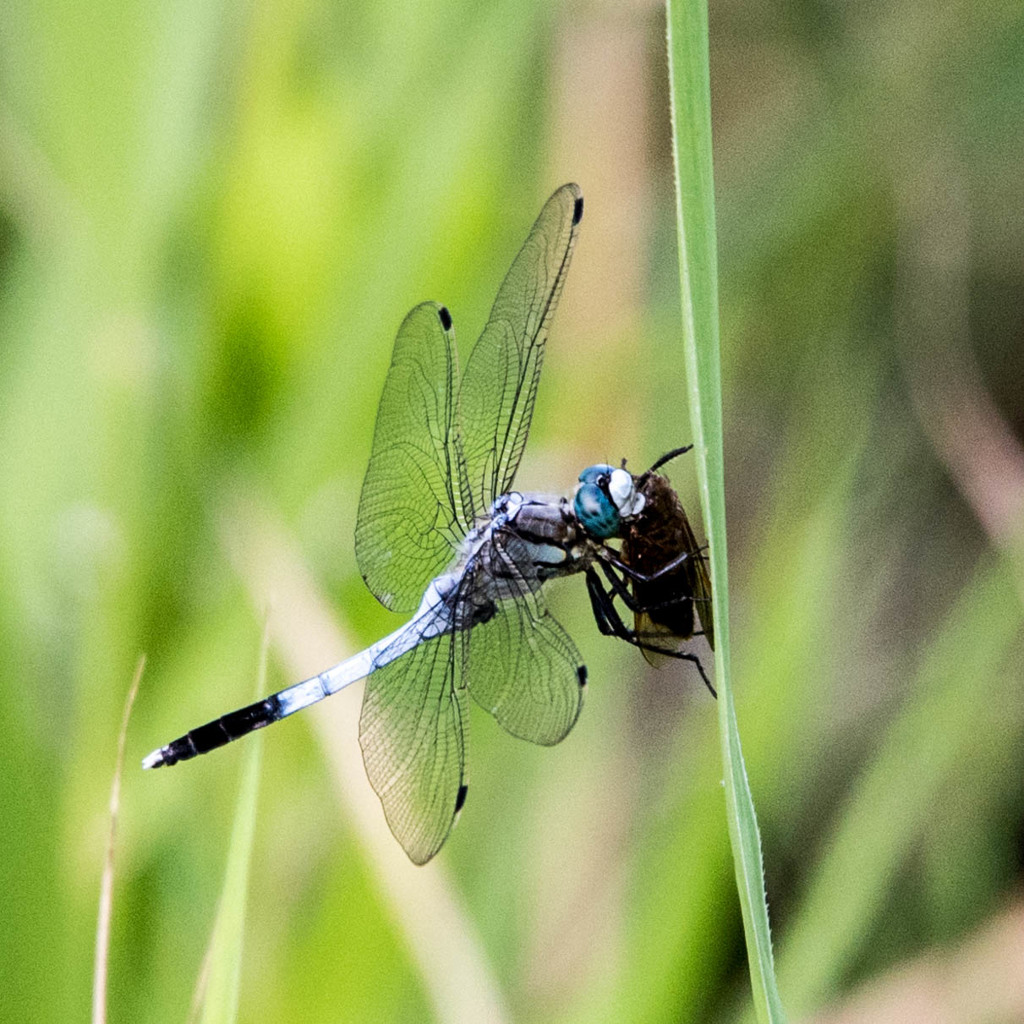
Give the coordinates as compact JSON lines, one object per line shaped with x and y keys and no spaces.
{"x":441,"y":535}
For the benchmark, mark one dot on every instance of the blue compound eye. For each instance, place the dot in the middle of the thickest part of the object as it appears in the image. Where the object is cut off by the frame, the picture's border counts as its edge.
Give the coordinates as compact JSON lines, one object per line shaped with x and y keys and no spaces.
{"x":592,"y":474}
{"x":595,"y":510}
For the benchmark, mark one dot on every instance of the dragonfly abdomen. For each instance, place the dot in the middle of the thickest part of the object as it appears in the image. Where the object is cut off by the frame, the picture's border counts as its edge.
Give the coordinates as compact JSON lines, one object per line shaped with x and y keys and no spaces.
{"x":217,"y":733}
{"x":433,"y":619}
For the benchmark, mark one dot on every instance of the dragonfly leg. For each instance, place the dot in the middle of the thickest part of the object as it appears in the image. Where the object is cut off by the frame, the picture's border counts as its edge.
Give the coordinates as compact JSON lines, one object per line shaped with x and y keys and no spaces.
{"x":620,"y":588}
{"x":607,"y":556}
{"x":610,"y":623}
{"x":606,"y":615}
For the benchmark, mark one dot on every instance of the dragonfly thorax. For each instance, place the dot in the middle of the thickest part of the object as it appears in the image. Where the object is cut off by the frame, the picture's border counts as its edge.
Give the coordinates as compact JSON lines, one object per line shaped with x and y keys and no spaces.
{"x":549,"y":530}
{"x":526,"y":540}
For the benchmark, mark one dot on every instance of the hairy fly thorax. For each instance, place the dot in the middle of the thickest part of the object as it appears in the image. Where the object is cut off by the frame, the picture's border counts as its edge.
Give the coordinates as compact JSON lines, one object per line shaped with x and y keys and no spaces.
{"x":658,"y":534}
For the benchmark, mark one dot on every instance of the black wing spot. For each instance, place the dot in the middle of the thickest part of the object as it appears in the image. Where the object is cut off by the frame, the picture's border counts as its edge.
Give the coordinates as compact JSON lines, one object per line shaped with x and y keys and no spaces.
{"x":461,"y":798}
{"x":484,"y":613}
{"x":446,"y":318}
{"x":577,"y":211}
{"x":581,"y":675}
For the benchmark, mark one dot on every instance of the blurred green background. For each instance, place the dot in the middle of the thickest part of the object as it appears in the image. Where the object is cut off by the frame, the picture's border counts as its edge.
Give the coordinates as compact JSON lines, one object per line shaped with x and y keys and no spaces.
{"x":213,"y":218}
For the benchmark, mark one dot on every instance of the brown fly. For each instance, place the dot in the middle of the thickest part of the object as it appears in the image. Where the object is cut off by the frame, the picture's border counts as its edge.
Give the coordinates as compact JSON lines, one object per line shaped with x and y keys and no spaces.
{"x":660,"y":572}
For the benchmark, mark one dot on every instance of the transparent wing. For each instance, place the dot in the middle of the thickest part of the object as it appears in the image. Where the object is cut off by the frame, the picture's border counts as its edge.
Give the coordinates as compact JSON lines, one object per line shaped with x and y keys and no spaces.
{"x":412,"y":731}
{"x":696,"y":584}
{"x":500,"y":382}
{"x":698,"y":581}
{"x":702,"y":592}
{"x":410,"y":510}
{"x":521,"y":665}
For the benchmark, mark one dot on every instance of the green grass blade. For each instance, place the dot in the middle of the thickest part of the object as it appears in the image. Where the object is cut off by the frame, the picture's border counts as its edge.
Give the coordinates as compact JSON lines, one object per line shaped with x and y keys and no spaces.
{"x":221,"y":972}
{"x":101,"y":965}
{"x":691,"y":132}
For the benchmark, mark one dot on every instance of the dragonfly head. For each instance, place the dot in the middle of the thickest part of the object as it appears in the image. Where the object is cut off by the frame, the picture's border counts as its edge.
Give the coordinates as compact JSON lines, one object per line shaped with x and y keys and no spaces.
{"x":604,"y":497}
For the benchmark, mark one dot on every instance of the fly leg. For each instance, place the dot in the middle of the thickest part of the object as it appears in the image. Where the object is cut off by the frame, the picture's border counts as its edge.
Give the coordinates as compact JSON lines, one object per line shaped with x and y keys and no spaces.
{"x":610,"y":623}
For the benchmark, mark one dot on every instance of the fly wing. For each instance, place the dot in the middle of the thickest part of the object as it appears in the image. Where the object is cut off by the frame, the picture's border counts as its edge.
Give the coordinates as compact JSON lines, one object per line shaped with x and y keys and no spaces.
{"x":700,"y":583}
{"x":412,"y":732}
{"x":657,"y":636}
{"x":521,"y":665}
{"x":411,"y":511}
{"x":501,"y":377}
{"x":702,"y":594}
